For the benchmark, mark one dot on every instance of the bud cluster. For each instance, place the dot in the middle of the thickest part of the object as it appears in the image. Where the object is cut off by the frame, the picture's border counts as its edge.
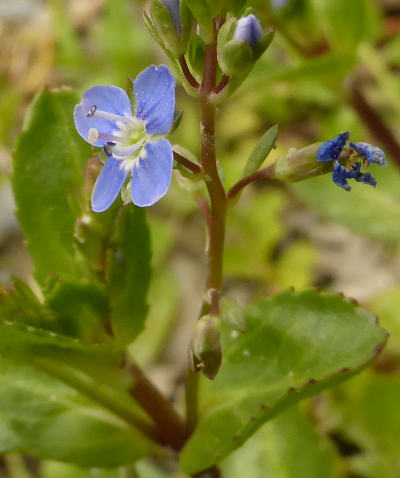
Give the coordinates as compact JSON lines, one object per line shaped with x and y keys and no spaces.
{"x":184,"y":28}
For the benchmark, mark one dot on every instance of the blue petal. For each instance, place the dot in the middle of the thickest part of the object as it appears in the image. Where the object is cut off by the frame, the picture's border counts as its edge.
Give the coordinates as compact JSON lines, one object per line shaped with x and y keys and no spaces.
{"x":106,"y":98}
{"x":366,"y":178}
{"x":372,"y":153}
{"x":155,"y":99}
{"x":174,"y":8}
{"x":151,"y":175}
{"x":249,"y":29}
{"x":340,"y":176}
{"x":108,"y":185}
{"x":330,"y":150}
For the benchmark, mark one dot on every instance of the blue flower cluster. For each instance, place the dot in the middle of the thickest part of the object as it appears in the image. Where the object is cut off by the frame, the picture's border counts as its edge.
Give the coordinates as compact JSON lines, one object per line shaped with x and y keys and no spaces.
{"x":133,"y":141}
{"x":350,"y":169}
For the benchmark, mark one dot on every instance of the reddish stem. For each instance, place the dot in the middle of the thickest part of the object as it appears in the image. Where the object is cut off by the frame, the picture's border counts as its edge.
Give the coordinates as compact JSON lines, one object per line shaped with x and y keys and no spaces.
{"x":195,"y":168}
{"x":188,"y":75}
{"x":266,"y":173}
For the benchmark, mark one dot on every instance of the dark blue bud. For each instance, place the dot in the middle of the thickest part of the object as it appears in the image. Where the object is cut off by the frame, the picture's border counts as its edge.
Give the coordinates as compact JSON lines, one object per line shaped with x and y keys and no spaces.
{"x":174,"y":9}
{"x":330,"y":150}
{"x":372,"y":153}
{"x":249,"y":29}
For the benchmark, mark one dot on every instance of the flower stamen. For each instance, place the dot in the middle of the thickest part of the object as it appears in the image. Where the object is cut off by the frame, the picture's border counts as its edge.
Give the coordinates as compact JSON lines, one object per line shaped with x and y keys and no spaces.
{"x":93,"y":111}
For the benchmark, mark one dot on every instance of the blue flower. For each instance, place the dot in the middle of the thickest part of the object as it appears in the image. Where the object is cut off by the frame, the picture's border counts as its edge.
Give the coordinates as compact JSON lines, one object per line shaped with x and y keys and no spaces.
{"x":132,"y":142}
{"x":350,"y":169}
{"x":249,"y":29}
{"x":372,"y":153}
{"x":330,"y":150}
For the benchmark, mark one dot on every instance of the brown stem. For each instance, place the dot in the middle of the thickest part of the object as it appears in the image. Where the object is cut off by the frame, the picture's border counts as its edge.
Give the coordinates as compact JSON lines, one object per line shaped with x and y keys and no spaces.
{"x":375,"y":124}
{"x":266,"y":173}
{"x":169,"y":424}
{"x":195,"y":168}
{"x":209,"y":165}
{"x":188,"y":75}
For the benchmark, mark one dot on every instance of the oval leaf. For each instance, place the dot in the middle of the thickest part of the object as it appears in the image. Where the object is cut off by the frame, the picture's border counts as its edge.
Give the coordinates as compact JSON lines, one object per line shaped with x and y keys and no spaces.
{"x":295,"y":346}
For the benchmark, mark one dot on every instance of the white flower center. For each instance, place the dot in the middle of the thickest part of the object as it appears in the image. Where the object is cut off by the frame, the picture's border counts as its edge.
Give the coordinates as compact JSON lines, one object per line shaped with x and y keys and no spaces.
{"x":126,"y":142}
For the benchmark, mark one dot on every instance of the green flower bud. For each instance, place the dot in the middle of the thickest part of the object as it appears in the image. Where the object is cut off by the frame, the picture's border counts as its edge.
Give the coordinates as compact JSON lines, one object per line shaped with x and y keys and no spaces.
{"x":205,"y":352}
{"x":240,"y":44}
{"x":300,"y":164}
{"x":173,"y":22}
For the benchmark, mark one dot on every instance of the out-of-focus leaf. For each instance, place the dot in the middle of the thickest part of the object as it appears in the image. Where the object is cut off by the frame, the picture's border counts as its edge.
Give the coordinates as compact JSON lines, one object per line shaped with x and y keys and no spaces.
{"x":55,"y":469}
{"x":43,"y":416}
{"x":364,"y":210}
{"x":163,"y":300}
{"x":286,"y":447}
{"x":82,"y":309}
{"x":295,"y":346}
{"x":346,"y":24}
{"x":48,"y":179}
{"x":255,"y":221}
{"x":386,"y":305}
{"x":295,"y":266}
{"x":128,"y":275}
{"x":368,"y":411}
{"x":261,"y":150}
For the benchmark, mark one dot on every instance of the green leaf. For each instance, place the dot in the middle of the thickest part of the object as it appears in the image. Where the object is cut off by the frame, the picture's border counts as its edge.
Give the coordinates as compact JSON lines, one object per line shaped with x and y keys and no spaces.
{"x":82,"y":310}
{"x":261,"y":150}
{"x":43,"y":416}
{"x":295,"y":346}
{"x":128,"y":274}
{"x":286,"y":447}
{"x":364,"y":210}
{"x":48,"y":180}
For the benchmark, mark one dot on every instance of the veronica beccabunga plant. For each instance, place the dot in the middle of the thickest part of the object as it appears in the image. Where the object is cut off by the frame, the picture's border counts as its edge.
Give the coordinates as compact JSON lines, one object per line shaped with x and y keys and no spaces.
{"x":71,"y":349}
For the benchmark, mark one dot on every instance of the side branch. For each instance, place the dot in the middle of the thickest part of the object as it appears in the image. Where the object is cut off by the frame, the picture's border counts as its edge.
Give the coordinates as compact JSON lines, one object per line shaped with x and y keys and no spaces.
{"x":266,"y":173}
{"x":188,"y":75}
{"x":195,"y":168}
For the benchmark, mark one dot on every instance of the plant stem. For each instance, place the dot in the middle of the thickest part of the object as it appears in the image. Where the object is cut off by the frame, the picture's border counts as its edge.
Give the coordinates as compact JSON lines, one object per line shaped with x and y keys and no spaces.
{"x":169,"y":424}
{"x":216,"y":216}
{"x":218,"y":200}
{"x":265,"y":173}
{"x":195,"y":168}
{"x":188,"y":75}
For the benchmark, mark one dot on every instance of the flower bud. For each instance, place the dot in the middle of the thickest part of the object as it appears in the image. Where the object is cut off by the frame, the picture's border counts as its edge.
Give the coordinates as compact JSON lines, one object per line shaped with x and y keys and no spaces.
{"x":173,"y":22}
{"x":240,"y":44}
{"x":300,"y":164}
{"x":249,"y":30}
{"x":205,"y":352}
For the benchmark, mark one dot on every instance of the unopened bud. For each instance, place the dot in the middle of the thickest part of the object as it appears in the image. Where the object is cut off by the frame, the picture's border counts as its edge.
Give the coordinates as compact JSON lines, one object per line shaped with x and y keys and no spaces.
{"x":205,"y":349}
{"x":173,"y":23}
{"x":249,"y":30}
{"x":300,"y":164}
{"x":240,"y":44}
